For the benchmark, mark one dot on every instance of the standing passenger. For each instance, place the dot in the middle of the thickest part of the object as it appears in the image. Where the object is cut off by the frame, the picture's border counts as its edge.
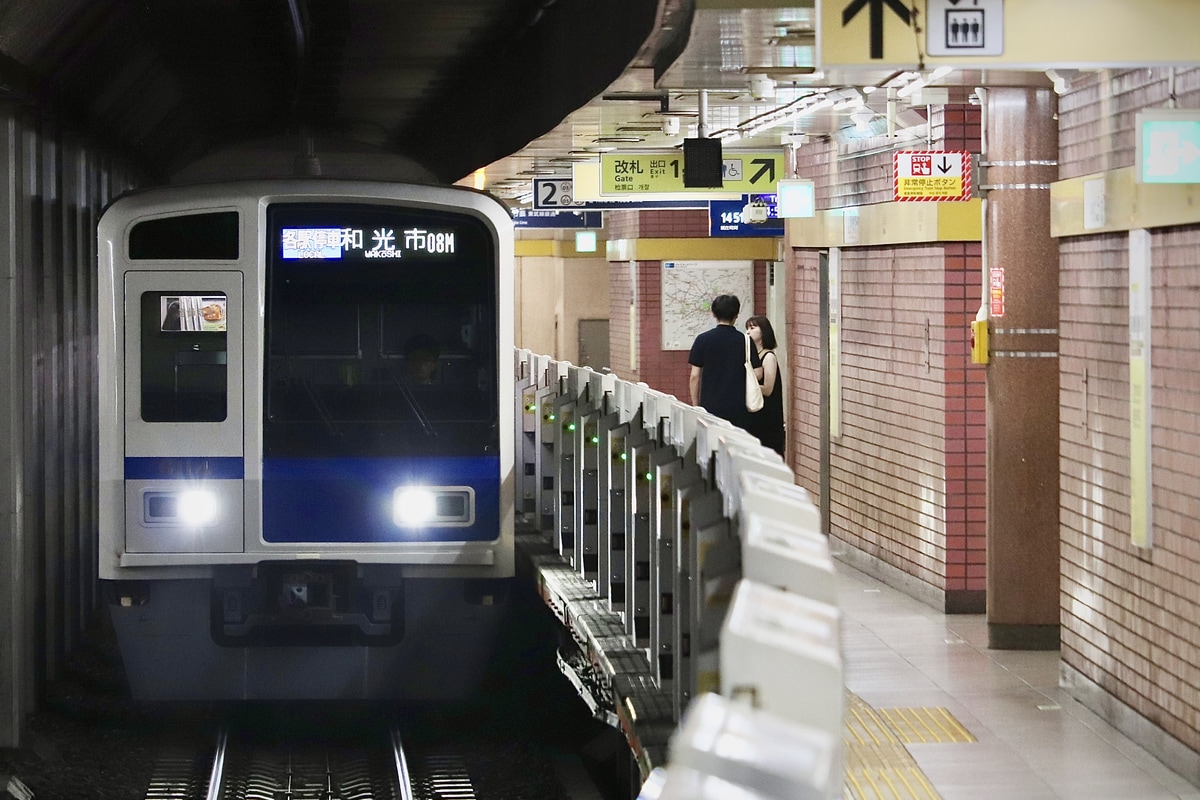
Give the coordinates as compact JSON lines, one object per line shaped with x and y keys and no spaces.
{"x":718,"y":379}
{"x":767,"y":423}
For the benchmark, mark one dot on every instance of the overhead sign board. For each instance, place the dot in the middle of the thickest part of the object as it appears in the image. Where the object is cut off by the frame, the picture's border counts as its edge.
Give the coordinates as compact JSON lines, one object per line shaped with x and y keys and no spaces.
{"x":725,"y":217}
{"x":623,"y":174}
{"x":557,"y":218}
{"x":933,"y":175}
{"x":1028,"y":34}
{"x":558,"y":194}
{"x":965,"y":28}
{"x":1168,"y":145}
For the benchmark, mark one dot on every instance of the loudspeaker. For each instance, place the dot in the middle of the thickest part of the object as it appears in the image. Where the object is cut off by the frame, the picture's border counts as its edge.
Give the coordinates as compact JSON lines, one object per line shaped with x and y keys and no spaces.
{"x":702,"y":163}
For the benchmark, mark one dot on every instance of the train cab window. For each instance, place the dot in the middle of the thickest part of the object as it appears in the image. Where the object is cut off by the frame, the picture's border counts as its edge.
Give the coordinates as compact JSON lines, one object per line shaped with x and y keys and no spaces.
{"x":379,"y":332}
{"x":185,"y":363}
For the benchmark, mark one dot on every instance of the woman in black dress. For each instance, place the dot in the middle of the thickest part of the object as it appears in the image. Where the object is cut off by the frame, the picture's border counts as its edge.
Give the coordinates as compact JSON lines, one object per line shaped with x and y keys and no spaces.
{"x":767,"y":424}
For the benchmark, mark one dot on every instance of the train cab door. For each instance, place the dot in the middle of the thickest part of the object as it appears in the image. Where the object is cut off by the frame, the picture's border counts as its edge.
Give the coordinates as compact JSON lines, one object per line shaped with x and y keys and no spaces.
{"x":184,"y":412}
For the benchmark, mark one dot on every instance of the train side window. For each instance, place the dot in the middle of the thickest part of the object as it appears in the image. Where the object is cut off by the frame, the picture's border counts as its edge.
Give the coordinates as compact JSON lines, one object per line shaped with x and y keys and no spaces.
{"x":185,"y":362}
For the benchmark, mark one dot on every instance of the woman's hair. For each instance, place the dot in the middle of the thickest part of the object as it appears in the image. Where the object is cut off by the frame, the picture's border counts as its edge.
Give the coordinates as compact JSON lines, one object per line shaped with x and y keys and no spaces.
{"x":768,"y":333}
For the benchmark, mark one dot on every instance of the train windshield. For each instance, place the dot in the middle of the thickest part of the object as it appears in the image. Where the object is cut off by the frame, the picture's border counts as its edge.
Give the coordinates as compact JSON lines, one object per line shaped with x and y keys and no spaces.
{"x":380,"y":332}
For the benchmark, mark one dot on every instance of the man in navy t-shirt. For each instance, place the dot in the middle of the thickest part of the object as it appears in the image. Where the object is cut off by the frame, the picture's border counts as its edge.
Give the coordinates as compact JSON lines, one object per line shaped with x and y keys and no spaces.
{"x":718,"y":380}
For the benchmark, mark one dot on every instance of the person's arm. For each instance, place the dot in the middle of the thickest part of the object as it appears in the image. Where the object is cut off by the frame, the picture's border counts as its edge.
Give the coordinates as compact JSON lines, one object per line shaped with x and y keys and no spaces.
{"x":756,"y":361}
{"x":770,"y":370}
{"x":694,"y":384}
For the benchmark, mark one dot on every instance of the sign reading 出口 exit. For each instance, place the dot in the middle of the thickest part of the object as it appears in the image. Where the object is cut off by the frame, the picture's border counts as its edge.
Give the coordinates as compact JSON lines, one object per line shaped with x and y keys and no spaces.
{"x":662,"y":173}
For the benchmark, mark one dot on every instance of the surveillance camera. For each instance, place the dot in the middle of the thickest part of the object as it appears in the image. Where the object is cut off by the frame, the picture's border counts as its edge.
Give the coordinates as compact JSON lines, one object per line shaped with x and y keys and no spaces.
{"x":761,"y":87}
{"x":754,"y":213}
{"x":793,"y":139}
{"x":670,"y":125}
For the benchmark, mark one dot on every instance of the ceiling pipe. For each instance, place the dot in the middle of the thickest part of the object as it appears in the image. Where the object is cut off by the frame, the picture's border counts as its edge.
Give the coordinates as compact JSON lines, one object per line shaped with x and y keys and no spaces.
{"x":702,"y":129}
{"x":891,"y":112}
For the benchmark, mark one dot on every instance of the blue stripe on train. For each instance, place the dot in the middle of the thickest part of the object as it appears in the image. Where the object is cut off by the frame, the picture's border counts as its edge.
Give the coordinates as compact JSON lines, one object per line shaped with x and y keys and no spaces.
{"x":144,"y":468}
{"x":315,"y":500}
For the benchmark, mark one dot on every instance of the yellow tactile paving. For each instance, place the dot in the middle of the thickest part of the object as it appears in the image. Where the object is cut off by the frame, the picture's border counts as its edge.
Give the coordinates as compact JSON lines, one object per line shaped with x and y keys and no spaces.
{"x":878,"y":765}
{"x":925,"y":725}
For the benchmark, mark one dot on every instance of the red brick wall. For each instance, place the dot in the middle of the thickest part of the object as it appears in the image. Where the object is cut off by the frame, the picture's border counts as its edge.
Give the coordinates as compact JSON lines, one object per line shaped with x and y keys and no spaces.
{"x":887,"y":468}
{"x":804,"y":353}
{"x":966,"y":423}
{"x":908,"y":475}
{"x":1130,"y":616}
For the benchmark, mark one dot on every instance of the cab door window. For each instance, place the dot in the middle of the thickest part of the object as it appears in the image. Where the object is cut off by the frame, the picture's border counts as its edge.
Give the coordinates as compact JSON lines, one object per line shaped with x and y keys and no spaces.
{"x":185,"y":361}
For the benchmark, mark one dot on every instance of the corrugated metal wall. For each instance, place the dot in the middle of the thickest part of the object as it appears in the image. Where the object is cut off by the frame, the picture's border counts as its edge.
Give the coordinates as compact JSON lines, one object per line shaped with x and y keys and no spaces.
{"x":52,"y":189}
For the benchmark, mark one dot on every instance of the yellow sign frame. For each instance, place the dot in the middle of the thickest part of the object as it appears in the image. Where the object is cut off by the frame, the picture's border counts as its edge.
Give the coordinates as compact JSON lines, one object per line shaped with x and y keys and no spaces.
{"x":626,"y":174}
{"x":1038,"y":35}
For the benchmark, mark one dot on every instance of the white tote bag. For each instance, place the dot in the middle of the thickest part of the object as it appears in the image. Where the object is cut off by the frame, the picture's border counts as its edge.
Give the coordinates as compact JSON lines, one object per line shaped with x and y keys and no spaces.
{"x":754,"y":398}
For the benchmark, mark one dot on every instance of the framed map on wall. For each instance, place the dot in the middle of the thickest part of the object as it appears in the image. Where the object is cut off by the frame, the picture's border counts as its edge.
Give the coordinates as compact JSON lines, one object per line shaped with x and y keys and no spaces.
{"x":688,"y":288}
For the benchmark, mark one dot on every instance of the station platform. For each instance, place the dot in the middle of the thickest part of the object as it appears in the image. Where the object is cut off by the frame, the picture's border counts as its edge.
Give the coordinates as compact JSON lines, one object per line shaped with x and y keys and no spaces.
{"x":957,"y":721}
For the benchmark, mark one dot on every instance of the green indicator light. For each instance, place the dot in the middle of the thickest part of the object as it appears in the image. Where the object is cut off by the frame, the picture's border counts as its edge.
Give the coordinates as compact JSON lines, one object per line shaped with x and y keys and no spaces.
{"x":571,"y":427}
{"x":649,"y":476}
{"x":595,"y":440}
{"x":624,"y":456}
{"x":552,"y":416}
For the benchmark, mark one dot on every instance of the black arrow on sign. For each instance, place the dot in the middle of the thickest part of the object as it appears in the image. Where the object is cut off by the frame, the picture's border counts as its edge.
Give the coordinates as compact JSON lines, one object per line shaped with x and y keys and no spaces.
{"x":876,"y":19}
{"x":944,"y":166}
{"x":764,"y":165}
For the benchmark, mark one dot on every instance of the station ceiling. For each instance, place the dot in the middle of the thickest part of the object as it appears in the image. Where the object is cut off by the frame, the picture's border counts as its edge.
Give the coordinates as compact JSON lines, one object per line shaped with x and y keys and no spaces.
{"x":452,"y":84}
{"x":513,"y":88}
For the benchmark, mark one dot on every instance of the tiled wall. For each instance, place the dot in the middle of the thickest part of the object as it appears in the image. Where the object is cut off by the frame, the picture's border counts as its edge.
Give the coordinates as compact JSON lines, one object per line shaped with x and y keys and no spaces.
{"x":804,"y":353}
{"x":908,"y":474}
{"x":1097,"y":115}
{"x":888,"y":475}
{"x":1130,"y":616}
{"x":966,"y":427}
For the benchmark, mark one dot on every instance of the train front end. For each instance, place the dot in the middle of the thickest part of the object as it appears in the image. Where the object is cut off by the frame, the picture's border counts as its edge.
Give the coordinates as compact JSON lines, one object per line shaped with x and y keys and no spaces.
{"x":306,"y":475}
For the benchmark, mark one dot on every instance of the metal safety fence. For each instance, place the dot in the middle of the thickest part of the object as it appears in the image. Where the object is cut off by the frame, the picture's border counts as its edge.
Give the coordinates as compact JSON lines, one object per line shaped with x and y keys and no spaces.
{"x":691,"y":573}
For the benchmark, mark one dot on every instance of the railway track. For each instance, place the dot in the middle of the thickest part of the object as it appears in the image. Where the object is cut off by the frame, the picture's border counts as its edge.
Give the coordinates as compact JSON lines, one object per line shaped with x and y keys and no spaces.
{"x":245,"y":763}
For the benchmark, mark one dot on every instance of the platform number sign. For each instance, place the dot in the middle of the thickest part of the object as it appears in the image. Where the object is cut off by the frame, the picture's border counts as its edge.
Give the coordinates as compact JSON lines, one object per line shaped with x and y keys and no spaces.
{"x":551,"y":194}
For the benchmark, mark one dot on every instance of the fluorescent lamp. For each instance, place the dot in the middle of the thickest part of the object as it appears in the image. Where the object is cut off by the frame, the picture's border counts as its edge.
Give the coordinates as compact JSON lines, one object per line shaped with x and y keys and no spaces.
{"x":585,"y":241}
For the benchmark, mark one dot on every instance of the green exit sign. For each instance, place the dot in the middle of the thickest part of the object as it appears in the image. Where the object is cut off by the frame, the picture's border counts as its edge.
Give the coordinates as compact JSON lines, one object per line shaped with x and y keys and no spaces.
{"x":1168,"y":145}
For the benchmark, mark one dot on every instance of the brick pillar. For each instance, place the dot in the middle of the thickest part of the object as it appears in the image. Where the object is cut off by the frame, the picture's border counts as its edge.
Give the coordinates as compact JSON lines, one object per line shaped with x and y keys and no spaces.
{"x":958,"y":127}
{"x":1022,"y":376}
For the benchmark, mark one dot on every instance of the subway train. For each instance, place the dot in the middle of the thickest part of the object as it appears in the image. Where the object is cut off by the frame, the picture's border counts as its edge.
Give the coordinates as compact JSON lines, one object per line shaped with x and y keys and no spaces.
{"x":305,"y":438}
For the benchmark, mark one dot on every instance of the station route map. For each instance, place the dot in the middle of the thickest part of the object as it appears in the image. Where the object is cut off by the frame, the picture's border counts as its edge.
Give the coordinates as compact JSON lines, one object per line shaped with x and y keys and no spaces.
{"x":688,"y":288}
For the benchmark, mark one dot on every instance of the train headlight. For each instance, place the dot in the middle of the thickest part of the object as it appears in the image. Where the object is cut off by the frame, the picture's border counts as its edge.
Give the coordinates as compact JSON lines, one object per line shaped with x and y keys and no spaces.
{"x":197,"y":508}
{"x":412,"y":506}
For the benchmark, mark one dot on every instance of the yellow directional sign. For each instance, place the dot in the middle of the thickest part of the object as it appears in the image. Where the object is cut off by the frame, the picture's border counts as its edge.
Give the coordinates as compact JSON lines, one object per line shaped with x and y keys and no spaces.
{"x":1032,"y":34}
{"x":662,"y":173}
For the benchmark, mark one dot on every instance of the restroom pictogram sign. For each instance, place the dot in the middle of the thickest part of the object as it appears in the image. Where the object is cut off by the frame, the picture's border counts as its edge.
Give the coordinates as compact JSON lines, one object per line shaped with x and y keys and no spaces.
{"x":932,"y":175}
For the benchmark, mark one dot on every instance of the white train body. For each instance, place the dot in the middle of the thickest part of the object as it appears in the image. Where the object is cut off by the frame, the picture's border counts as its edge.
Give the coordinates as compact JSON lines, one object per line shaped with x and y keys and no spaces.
{"x":306,"y":448}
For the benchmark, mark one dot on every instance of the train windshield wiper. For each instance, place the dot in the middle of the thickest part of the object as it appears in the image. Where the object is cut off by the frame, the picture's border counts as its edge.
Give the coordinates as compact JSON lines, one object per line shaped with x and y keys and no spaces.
{"x":407,"y":393}
{"x":319,"y":404}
